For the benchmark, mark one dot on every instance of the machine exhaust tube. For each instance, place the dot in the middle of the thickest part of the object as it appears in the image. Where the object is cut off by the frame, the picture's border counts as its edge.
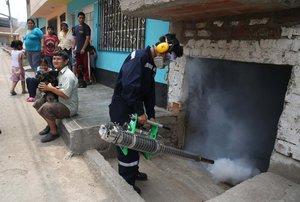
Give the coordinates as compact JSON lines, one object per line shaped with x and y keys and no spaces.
{"x":117,"y":135}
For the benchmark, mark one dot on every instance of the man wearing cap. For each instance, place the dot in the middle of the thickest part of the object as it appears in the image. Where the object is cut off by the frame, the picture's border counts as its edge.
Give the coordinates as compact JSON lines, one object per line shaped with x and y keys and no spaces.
{"x":65,"y":41}
{"x":134,"y":93}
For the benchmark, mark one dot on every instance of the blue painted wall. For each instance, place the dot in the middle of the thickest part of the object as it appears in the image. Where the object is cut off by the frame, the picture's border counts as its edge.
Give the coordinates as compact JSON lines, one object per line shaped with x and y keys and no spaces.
{"x":112,"y":61}
{"x":42,"y":22}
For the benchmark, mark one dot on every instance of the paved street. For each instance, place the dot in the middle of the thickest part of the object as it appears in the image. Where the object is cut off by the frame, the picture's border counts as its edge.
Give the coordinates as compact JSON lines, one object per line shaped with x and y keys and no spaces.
{"x":30,"y":170}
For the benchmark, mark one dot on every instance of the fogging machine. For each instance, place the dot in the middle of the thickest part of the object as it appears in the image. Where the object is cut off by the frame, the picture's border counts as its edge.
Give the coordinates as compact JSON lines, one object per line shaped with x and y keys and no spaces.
{"x":129,"y":136}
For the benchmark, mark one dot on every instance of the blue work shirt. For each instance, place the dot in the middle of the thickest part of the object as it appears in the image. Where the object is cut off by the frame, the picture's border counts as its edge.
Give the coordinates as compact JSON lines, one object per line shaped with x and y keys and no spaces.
{"x":136,"y":84}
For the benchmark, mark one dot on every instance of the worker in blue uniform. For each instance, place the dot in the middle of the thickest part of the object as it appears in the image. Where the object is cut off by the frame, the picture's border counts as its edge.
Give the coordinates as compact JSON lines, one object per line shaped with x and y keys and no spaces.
{"x":135,"y":93}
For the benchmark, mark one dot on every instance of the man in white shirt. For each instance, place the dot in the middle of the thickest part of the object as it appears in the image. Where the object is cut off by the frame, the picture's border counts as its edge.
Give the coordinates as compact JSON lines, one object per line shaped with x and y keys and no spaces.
{"x":66,"y":91}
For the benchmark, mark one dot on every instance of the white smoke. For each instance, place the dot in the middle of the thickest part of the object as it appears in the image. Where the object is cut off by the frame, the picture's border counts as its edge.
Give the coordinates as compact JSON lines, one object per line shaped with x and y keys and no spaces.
{"x":232,"y":171}
{"x":233,"y":110}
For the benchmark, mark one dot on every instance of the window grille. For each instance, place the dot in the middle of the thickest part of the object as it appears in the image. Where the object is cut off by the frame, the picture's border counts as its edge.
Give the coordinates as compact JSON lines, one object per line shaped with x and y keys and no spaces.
{"x":119,"y":32}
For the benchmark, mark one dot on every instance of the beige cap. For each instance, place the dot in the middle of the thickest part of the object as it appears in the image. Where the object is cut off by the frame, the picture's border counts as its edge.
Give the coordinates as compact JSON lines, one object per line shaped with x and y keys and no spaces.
{"x":64,"y":22}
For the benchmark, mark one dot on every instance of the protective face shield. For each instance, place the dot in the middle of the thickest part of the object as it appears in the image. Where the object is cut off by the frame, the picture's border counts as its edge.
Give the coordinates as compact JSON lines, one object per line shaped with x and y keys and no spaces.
{"x":159,"y":62}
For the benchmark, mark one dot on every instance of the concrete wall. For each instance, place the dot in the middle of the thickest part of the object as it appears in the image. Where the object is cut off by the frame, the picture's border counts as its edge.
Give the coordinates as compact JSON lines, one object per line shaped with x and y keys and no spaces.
{"x":279,"y":47}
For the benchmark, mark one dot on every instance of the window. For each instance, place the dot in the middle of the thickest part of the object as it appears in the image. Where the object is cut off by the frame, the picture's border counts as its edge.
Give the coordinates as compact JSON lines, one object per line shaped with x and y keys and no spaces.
{"x":72,"y":20}
{"x":119,"y":32}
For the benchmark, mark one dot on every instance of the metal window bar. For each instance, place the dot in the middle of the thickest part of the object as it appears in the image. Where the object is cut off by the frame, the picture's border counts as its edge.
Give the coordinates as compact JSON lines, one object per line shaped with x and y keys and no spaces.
{"x":119,"y":32}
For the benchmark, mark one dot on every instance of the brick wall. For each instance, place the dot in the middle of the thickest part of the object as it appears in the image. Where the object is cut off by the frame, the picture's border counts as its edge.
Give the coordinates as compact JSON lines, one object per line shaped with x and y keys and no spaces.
{"x":271,"y":38}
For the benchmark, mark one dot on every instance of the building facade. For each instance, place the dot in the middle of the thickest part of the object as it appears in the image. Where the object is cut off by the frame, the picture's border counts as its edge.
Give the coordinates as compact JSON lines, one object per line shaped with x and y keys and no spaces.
{"x":103,"y":28}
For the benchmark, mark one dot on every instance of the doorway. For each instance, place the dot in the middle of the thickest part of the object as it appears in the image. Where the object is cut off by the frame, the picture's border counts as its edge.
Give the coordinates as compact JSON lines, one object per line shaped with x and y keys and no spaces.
{"x":233,"y":108}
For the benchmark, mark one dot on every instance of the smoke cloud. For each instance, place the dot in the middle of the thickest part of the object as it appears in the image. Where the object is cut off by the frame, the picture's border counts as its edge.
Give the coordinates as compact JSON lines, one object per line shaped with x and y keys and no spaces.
{"x":232,"y":171}
{"x":232,"y":113}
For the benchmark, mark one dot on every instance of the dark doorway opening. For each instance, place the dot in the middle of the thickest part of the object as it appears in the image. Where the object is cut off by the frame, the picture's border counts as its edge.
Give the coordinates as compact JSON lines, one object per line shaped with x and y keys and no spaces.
{"x":233,"y":108}
{"x":53,"y":22}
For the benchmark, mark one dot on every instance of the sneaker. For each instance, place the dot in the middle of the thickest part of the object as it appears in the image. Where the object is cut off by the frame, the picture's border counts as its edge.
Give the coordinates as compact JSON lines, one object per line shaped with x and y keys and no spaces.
{"x":30,"y":99}
{"x":141,"y":176}
{"x":137,"y":189}
{"x":45,"y":131}
{"x":12,"y":92}
{"x":83,"y":85}
{"x":49,"y":137}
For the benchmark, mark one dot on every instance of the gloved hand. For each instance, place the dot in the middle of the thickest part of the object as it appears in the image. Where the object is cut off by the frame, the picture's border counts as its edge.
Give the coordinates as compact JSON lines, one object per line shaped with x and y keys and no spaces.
{"x":142,"y":119}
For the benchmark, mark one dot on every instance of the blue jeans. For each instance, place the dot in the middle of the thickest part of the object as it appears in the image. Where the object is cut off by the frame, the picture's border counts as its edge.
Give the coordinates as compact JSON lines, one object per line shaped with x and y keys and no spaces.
{"x":32,"y":84}
{"x":49,"y":60}
{"x":34,"y":59}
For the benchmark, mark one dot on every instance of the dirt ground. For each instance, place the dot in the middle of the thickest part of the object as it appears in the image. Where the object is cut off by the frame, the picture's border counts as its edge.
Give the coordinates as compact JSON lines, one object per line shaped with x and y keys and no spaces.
{"x":31,"y":170}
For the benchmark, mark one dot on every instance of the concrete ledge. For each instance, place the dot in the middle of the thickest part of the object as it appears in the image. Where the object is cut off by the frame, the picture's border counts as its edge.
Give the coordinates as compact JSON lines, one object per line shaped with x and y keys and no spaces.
{"x":80,"y":133}
{"x":81,"y":139}
{"x":264,"y":187}
{"x":285,"y":167}
{"x":112,"y":178}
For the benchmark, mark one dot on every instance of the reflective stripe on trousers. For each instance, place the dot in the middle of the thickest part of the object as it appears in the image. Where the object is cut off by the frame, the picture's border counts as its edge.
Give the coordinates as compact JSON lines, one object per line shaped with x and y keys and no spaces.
{"x":134,"y":163}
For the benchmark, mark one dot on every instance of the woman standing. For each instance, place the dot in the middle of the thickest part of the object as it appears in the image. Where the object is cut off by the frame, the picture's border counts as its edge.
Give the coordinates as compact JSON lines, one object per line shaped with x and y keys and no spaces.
{"x":33,"y":43}
{"x":65,"y":41}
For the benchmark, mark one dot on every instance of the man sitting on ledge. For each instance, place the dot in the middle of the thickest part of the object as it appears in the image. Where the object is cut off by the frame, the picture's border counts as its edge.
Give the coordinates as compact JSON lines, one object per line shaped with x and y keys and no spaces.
{"x":66,"y":91}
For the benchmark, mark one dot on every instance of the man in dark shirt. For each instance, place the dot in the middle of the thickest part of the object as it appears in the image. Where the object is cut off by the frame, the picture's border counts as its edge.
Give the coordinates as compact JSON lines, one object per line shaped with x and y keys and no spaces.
{"x":134,"y":91}
{"x":82,"y":36}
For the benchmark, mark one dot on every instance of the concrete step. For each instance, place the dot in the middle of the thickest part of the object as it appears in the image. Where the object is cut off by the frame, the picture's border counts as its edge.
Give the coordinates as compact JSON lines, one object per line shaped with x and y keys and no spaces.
{"x":80,"y":133}
{"x":172,"y":178}
{"x":264,"y":187}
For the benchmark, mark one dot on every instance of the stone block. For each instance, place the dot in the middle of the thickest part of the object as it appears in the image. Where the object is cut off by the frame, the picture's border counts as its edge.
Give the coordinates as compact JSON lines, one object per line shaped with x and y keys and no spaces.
{"x":261,"y":21}
{"x":218,"y":23}
{"x":283,"y":147}
{"x":222,"y":44}
{"x":234,"y":23}
{"x":190,"y":44}
{"x":295,"y":46}
{"x":204,"y":33}
{"x":189,"y":33}
{"x":201,"y":25}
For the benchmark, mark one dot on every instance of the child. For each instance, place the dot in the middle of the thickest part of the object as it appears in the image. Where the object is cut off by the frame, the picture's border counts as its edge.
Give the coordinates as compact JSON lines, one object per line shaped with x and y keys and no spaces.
{"x":17,"y":73}
{"x":32,"y":83}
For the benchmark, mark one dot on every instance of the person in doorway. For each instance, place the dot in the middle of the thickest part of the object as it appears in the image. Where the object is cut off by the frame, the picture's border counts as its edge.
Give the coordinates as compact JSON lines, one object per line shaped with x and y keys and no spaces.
{"x":135,"y":91}
{"x":93,"y":59}
{"x":65,"y":41}
{"x":66,"y":91}
{"x":32,"y":82}
{"x":49,"y":45}
{"x":32,"y":44}
{"x":82,"y":35}
{"x":17,"y":72}
{"x":74,"y":69}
